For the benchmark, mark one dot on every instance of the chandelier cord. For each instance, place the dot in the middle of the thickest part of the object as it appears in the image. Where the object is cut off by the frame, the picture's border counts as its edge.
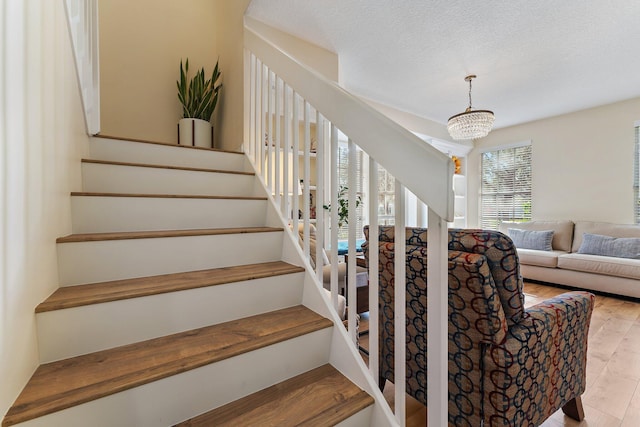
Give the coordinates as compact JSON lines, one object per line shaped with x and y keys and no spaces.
{"x":470,"y":94}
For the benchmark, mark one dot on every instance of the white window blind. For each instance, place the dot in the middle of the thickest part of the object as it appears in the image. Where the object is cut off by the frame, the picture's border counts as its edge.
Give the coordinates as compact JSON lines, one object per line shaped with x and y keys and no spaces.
{"x":343,"y":179}
{"x":386,"y":197}
{"x":505,"y":192}
{"x":636,"y":177}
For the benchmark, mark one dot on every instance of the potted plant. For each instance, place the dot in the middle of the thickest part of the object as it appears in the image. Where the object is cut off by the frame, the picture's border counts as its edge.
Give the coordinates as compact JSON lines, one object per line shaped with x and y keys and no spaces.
{"x":199,"y":98}
{"x":343,"y":205}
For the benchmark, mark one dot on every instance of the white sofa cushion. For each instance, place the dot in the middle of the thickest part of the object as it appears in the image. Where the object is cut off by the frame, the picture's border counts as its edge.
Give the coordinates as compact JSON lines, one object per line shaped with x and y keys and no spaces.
{"x":531,"y":239}
{"x":620,"y":267}
{"x":539,"y":258}
{"x":562,"y":231}
{"x":620,"y":247}
{"x":342,"y":305}
{"x":602,"y":228}
{"x":312,"y":244}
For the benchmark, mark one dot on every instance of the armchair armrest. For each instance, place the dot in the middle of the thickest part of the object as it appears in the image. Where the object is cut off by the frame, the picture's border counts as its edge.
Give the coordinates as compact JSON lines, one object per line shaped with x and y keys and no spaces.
{"x":542,"y":363}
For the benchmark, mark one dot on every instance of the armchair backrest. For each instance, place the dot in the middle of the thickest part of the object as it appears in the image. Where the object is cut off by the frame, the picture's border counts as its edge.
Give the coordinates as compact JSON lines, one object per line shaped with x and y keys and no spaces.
{"x":502,"y":259}
{"x":501,"y":255}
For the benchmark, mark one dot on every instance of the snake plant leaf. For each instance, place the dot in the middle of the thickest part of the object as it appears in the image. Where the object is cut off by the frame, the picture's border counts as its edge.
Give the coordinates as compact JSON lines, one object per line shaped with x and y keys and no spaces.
{"x":199,"y":96}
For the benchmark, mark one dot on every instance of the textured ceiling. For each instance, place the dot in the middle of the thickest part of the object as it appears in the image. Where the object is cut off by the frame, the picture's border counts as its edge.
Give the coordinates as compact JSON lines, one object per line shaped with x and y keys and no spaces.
{"x":533,"y":59}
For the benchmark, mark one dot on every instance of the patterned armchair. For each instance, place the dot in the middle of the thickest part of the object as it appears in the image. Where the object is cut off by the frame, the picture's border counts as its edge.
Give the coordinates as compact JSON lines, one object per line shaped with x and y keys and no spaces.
{"x":507,"y":366}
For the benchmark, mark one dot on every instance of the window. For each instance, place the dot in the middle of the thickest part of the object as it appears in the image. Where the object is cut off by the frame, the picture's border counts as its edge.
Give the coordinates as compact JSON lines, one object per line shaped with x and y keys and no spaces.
{"x":636,"y":177}
{"x":343,"y":180}
{"x":386,"y":197}
{"x":505,"y":190}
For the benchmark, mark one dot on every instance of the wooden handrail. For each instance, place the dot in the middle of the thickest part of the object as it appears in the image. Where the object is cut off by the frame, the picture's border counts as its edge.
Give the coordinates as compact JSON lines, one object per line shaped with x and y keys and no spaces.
{"x":424,"y":170}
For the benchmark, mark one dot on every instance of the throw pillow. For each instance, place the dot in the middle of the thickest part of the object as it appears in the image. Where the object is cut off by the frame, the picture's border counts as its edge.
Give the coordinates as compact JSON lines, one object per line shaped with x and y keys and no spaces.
{"x":530,"y":239}
{"x":619,"y":247}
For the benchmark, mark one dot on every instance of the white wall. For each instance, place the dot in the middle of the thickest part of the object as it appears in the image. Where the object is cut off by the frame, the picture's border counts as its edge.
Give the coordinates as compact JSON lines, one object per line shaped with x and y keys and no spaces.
{"x":582,"y":164}
{"x":230,"y":30}
{"x":412,"y":122}
{"x":43,"y":137}
{"x":320,"y":59}
{"x":141,"y":45}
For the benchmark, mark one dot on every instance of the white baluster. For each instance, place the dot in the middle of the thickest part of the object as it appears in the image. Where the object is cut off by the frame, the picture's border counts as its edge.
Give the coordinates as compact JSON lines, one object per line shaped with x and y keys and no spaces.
{"x":373,"y":270}
{"x":252,"y":107}
{"x":333,"y":199}
{"x":270,"y":116}
{"x":400,"y":295}
{"x":289,"y":187}
{"x":437,"y":319}
{"x":277,"y":169}
{"x":319,"y":194}
{"x":307,"y":177}
{"x":265,"y":115}
{"x":296,"y":163}
{"x":353,"y":223}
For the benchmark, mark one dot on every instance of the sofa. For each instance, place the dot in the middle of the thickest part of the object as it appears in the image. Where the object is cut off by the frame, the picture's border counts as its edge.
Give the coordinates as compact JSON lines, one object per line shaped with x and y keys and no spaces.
{"x":608,"y":260}
{"x":326,"y":265}
{"x":342,"y":308}
{"x":508,"y":366}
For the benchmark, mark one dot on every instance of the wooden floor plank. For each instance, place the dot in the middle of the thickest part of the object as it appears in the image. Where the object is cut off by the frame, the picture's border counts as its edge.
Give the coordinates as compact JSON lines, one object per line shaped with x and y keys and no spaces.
{"x":615,"y":329}
{"x":125,"y":235}
{"x":148,"y":165}
{"x":96,"y":293}
{"x":320,"y":397}
{"x":66,"y":383}
{"x":164,"y":196}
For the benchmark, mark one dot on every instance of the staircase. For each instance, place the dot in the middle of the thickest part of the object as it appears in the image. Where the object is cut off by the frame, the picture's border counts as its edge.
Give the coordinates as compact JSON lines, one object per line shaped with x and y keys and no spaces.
{"x":181,"y":301}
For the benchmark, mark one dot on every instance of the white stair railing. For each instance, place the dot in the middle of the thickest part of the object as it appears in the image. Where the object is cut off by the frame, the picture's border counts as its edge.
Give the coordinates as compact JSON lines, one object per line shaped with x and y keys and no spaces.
{"x":82,"y":18}
{"x":284,"y":100}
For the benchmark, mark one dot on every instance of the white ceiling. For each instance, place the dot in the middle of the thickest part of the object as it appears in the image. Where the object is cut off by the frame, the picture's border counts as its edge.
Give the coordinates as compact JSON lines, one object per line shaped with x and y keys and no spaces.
{"x":533,"y":59}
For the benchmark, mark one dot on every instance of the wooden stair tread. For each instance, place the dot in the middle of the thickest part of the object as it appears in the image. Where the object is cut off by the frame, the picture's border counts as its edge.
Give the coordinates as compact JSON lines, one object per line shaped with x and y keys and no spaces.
{"x":170,"y":144}
{"x":320,"y":397}
{"x":149,"y":165}
{"x":96,"y":293}
{"x":66,"y":383}
{"x":164,"y":196}
{"x":124,"y":235}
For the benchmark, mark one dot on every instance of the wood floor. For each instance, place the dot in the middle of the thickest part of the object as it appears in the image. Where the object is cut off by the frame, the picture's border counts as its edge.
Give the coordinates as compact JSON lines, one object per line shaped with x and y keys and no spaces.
{"x":612,"y":398}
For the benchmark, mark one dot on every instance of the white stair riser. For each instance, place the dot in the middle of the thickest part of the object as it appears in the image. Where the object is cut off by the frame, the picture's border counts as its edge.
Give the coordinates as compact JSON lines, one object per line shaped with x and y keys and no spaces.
{"x":86,"y":329}
{"x":362,"y":418}
{"x":136,"y":152}
{"x":90,"y":262}
{"x":183,"y":396}
{"x":108,"y":178}
{"x":110,"y":214}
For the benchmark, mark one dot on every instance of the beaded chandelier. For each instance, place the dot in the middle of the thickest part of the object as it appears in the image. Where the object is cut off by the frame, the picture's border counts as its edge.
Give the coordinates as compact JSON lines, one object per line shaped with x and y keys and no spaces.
{"x":471,"y":124}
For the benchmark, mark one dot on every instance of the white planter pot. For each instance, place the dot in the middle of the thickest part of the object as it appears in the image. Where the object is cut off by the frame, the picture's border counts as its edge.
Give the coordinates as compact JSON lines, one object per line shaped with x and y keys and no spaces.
{"x":195,"y":132}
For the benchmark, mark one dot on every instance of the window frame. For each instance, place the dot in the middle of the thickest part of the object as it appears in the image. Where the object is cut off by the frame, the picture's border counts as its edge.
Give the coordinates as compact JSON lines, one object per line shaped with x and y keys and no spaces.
{"x":493,"y":221}
{"x":343,"y":173}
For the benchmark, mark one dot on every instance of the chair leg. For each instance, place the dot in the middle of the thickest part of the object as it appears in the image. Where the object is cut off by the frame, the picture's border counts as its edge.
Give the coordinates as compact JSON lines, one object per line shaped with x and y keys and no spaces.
{"x":573,"y":409}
